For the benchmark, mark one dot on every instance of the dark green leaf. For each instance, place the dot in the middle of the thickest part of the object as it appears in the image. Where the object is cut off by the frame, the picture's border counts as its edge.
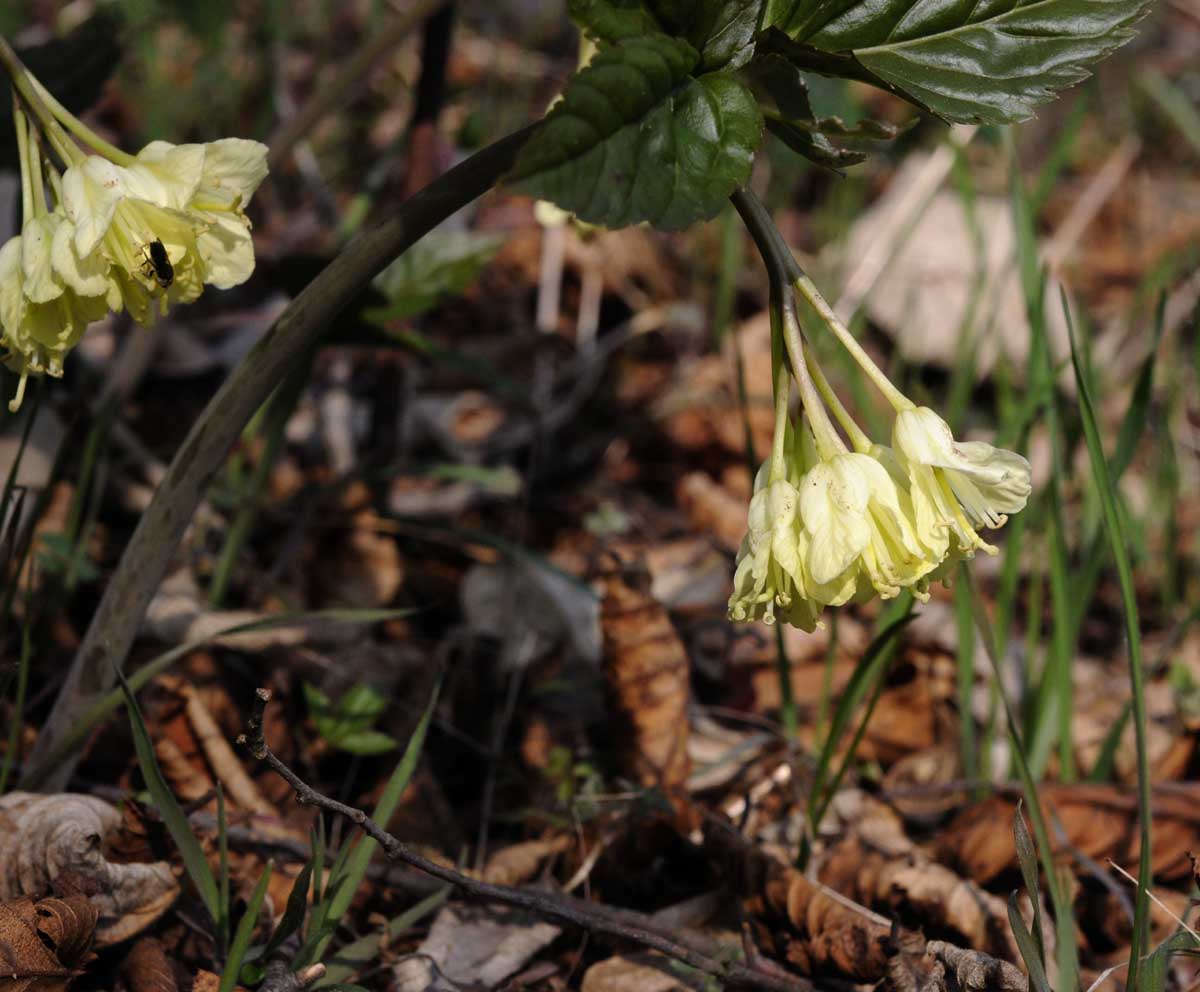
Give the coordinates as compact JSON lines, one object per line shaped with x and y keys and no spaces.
{"x":722,"y":31}
{"x":978,"y":61}
{"x":635,"y":138}
{"x":612,"y":20}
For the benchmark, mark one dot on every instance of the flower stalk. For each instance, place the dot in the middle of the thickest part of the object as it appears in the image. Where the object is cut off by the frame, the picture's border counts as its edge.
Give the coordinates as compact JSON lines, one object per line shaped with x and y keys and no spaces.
{"x":835,"y":518}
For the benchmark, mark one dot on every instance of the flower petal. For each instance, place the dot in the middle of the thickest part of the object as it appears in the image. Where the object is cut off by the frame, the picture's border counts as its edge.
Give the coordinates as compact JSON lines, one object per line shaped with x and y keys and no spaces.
{"x":91,"y":192}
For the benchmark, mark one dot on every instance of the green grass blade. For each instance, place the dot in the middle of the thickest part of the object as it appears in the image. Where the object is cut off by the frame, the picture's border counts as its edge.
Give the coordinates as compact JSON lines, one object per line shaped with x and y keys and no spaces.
{"x":17,"y":716}
{"x":223,"y":873}
{"x":867,"y":674}
{"x":1026,"y":945}
{"x":968,"y":745}
{"x":354,"y":956}
{"x":1027,"y":859}
{"x":348,"y":874}
{"x":1102,"y":770}
{"x":169,"y":809}
{"x":1118,"y":543}
{"x":101,"y":710}
{"x":1068,"y":962}
{"x":297,"y":905}
{"x":1173,"y":104}
{"x":245,"y":930}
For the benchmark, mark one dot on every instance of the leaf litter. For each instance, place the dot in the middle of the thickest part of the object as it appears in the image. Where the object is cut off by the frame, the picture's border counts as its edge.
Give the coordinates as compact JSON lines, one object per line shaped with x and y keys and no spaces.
{"x":565,"y":553}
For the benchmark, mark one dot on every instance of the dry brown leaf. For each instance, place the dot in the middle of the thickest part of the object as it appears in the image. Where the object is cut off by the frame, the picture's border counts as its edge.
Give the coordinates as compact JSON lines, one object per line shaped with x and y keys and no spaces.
{"x":520,"y":862}
{"x":1098,"y":821}
{"x":43,"y":943}
{"x":147,"y":968}
{"x":646,"y":666}
{"x":642,"y":972}
{"x":475,"y":945}
{"x":713,"y":509}
{"x":45,"y":837}
{"x":189,"y":782}
{"x":912,"y":887}
{"x":363,"y":568}
{"x":833,"y":938}
{"x":221,"y":757}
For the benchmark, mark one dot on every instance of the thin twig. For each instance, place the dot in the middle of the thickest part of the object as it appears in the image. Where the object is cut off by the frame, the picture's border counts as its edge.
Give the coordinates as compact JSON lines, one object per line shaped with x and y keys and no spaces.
{"x":593,"y":918}
{"x":307,"y":317}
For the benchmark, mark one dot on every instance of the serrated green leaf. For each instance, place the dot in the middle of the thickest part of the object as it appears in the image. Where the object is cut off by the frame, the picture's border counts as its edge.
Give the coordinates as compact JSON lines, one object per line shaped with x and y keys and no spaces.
{"x":722,"y":31}
{"x":612,"y":20}
{"x":636,"y":138}
{"x":976,"y":61}
{"x":796,"y":126}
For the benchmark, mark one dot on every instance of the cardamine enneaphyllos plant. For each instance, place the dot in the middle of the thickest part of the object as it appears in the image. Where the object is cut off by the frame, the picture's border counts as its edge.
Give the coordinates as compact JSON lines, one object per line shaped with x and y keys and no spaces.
{"x":662,"y":126}
{"x":103,"y":230}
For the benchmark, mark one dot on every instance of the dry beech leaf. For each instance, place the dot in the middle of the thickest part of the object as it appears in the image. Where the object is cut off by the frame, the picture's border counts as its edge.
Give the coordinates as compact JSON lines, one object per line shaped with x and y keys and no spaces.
{"x":147,"y":968}
{"x":1099,"y":821}
{"x":646,"y":667}
{"x":45,"y":837}
{"x":43,"y":943}
{"x":520,"y":862}
{"x":478,"y":945}
{"x":974,"y":971}
{"x":641,"y":972}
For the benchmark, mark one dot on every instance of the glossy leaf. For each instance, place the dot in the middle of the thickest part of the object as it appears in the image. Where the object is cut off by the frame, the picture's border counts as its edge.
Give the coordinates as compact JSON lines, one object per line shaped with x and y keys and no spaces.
{"x":978,"y":61}
{"x":612,"y":20}
{"x":636,"y":138}
{"x":722,"y":31}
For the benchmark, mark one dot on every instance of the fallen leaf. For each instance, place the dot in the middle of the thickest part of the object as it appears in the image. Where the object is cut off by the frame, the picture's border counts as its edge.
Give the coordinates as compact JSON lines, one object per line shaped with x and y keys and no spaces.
{"x":646,"y":667}
{"x":641,"y":972}
{"x":1098,"y":821}
{"x":147,"y":968}
{"x":43,"y":943}
{"x":475,"y":945}
{"x":520,"y":862}
{"x":43,"y":837}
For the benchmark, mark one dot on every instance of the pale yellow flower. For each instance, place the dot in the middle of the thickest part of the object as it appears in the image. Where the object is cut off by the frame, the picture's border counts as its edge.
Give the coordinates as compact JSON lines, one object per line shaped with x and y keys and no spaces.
{"x":39,"y":331}
{"x":957,"y":486}
{"x":191,"y":198}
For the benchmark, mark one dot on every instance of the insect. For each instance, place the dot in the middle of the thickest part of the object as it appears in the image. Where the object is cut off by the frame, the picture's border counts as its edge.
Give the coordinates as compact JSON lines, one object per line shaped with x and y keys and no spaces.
{"x":157,"y":265}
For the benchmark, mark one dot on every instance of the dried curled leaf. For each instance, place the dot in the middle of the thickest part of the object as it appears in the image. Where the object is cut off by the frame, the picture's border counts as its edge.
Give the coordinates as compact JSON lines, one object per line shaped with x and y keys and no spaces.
{"x":43,"y":943}
{"x":646,"y":666}
{"x":147,"y":968}
{"x":45,"y":838}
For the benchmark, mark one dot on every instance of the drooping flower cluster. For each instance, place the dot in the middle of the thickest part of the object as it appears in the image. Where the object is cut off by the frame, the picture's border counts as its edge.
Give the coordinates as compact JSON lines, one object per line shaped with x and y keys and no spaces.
{"x":832,"y":522}
{"x":113,"y":231}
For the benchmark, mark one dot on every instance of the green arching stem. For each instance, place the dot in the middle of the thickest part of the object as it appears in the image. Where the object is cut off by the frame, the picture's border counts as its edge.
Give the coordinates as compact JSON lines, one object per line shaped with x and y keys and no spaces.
{"x":810,"y":292}
{"x":783,"y":395}
{"x":829,"y":443}
{"x":81,"y":130}
{"x":858,"y":438}
{"x":23,"y":155}
{"x":31,"y":93}
{"x":33,"y":148}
